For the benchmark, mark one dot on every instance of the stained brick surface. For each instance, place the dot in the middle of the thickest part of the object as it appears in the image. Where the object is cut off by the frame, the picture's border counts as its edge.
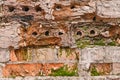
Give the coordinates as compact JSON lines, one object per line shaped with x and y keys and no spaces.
{"x":35,"y":69}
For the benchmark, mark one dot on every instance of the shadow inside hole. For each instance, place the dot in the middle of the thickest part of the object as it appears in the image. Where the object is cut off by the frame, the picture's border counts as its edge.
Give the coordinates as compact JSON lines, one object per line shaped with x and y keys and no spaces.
{"x":92,"y":32}
{"x":58,"y":7}
{"x":60,"y":33}
{"x":79,"y":33}
{"x":34,"y":33}
{"x":47,"y":33}
{"x":94,"y":18}
{"x":37,"y":8}
{"x":72,"y":6}
{"x":11,"y":8}
{"x":25,"y":8}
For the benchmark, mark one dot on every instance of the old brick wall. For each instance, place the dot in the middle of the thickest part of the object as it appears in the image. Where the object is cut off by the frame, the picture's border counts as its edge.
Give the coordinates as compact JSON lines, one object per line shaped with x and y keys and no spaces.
{"x":59,"y":40}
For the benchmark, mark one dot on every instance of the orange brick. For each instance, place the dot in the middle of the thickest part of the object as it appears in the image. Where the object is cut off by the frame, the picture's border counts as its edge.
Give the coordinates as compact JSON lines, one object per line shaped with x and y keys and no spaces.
{"x":101,"y":68}
{"x":33,"y":69}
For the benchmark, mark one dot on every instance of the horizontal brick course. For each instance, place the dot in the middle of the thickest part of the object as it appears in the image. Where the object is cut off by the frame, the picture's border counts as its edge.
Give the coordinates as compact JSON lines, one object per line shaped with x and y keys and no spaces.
{"x":36,"y":69}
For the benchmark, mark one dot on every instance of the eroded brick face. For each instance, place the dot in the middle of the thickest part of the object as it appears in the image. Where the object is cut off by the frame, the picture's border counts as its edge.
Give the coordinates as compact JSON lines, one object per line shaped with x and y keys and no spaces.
{"x":42,"y":35}
{"x":44,"y":54}
{"x":100,"y":69}
{"x":34,"y":69}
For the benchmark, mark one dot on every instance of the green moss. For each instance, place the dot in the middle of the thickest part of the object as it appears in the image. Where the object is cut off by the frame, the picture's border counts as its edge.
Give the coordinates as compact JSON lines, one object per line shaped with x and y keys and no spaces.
{"x":63,"y":71}
{"x":113,"y":43}
{"x":82,"y":43}
{"x":12,"y":76}
{"x":29,"y":55}
{"x":96,"y":41}
{"x":85,"y":28}
{"x":68,"y":51}
{"x":60,"y":50}
{"x":100,"y":42}
{"x":94,"y":72}
{"x":24,"y":53}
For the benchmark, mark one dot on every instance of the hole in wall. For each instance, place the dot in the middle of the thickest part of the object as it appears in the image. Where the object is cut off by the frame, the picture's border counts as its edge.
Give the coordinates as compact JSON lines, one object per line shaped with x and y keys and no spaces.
{"x":34,"y":33}
{"x":79,"y":33}
{"x":60,"y":33}
{"x":47,"y":33}
{"x":11,"y":8}
{"x":72,"y":6}
{"x":47,"y":4}
{"x":92,"y":32}
{"x":94,"y":18}
{"x":25,"y":8}
{"x":35,"y":0}
{"x":37,"y":8}
{"x":58,"y":7}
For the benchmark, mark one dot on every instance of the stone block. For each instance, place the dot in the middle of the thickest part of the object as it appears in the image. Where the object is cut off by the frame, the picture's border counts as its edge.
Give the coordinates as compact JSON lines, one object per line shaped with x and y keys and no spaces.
{"x":4,"y":55}
{"x":39,"y":34}
{"x":35,"y":54}
{"x":100,"y":54}
{"x":68,"y":54}
{"x":9,"y":34}
{"x":108,"y":10}
{"x":116,"y":69}
{"x":95,"y":54}
{"x":112,"y":54}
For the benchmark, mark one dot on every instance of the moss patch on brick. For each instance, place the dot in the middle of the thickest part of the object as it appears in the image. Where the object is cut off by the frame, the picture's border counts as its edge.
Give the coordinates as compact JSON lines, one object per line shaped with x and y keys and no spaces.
{"x":94,"y":72}
{"x":91,"y":42}
{"x":64,"y":71}
{"x":82,"y":43}
{"x":68,"y":51}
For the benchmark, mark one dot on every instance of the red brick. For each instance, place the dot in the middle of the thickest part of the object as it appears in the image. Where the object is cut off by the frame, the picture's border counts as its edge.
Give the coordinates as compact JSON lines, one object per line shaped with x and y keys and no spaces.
{"x":33,"y":69}
{"x":100,"y":68}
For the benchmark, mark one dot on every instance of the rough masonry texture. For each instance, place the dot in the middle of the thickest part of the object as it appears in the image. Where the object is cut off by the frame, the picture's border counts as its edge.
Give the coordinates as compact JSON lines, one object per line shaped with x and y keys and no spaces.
{"x":59,"y":39}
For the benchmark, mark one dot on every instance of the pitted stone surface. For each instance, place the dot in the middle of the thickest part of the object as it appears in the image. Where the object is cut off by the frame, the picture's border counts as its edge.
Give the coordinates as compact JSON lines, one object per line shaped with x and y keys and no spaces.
{"x":108,"y":8}
{"x":4,"y":55}
{"x":100,"y":54}
{"x":9,"y":34}
{"x":112,"y":54}
{"x":95,"y":54}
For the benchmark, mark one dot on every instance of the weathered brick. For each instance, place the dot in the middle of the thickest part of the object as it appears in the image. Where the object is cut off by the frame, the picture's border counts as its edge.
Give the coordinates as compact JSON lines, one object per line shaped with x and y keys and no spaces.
{"x":34,"y":54}
{"x":98,"y":78}
{"x":113,"y":78}
{"x":43,"y":78}
{"x":9,"y":34}
{"x":108,"y":10}
{"x":68,"y":54}
{"x":98,"y":69}
{"x":95,"y":54}
{"x":37,"y":69}
{"x":112,"y":54}
{"x":55,"y":10}
{"x":4,"y":55}
{"x":100,"y":54}
{"x":45,"y":54}
{"x":1,"y":67}
{"x":69,"y":10}
{"x":116,"y":69}
{"x":39,"y":34}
